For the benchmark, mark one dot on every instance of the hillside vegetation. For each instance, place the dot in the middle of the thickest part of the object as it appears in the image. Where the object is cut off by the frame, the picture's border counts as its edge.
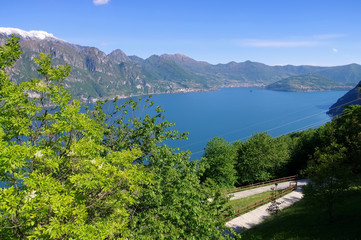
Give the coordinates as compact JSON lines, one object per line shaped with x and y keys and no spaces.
{"x":329,"y":156}
{"x":352,"y":97}
{"x":70,"y":174}
{"x":307,"y":83}
{"x":74,"y":175}
{"x":305,"y":221}
{"x":96,"y":75}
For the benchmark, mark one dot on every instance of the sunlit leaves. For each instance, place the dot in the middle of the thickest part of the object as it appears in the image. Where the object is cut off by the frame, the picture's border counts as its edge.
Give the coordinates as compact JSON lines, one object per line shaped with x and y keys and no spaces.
{"x":175,"y":205}
{"x":71,"y":174}
{"x":62,"y":180}
{"x":9,"y":52}
{"x":219,"y":158}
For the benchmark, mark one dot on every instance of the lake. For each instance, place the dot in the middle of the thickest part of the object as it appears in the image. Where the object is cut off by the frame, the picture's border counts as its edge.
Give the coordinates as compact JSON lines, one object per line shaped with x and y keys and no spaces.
{"x":237,"y":113}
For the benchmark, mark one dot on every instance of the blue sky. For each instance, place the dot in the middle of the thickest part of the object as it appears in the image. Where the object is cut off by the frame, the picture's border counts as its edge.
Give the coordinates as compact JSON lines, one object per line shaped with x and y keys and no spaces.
{"x":275,"y":32}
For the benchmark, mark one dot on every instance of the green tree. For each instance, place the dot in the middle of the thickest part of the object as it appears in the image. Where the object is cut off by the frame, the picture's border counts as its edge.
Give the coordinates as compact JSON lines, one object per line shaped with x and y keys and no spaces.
{"x":348,"y":133}
{"x":176,"y":205}
{"x":61,"y":181}
{"x":329,"y":178}
{"x":336,"y":160}
{"x":138,"y":124}
{"x":261,"y":158}
{"x":303,"y":148}
{"x":93,"y":175}
{"x":219,"y":160}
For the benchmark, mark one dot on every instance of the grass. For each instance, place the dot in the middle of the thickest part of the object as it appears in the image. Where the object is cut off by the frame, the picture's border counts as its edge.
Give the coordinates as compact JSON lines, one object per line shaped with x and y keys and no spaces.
{"x":303,"y":221}
{"x":242,"y":202}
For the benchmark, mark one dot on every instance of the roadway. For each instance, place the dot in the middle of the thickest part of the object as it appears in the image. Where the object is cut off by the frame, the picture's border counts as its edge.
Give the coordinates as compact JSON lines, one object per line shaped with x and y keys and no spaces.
{"x":257,"y":215}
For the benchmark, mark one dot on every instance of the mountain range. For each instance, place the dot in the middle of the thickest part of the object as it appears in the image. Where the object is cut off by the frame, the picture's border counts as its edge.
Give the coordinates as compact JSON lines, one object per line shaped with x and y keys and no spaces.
{"x":96,"y":75}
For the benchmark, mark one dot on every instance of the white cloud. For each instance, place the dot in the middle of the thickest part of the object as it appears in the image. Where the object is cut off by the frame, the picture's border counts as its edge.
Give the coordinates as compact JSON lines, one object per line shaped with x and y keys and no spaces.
{"x":335,"y":50}
{"x":100,"y":2}
{"x":276,"y":43}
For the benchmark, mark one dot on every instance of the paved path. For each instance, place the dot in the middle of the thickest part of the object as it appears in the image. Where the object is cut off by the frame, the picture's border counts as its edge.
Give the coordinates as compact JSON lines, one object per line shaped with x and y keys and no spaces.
{"x":254,"y":191}
{"x":257,"y":215}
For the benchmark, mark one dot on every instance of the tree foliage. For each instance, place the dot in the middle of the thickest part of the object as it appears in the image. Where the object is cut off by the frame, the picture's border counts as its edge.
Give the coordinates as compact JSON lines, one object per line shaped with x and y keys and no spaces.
{"x":61,"y":180}
{"x":219,"y":160}
{"x":336,"y":160}
{"x":261,"y":157}
{"x":71,"y":174}
{"x":133,"y":125}
{"x":302,"y":148}
{"x":176,"y":205}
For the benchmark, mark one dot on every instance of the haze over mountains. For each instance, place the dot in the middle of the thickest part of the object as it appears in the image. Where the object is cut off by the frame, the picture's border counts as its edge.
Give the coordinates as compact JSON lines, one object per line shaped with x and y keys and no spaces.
{"x":97,"y":75}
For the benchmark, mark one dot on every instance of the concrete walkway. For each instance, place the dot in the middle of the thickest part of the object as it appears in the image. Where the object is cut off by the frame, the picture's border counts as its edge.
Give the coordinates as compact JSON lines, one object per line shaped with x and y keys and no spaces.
{"x":254,"y":191}
{"x":257,"y":215}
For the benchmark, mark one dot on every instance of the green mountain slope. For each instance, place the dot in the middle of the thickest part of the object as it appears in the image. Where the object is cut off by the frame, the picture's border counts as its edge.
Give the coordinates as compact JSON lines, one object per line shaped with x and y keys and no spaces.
{"x":97,"y":75}
{"x":349,"y":74}
{"x":307,"y":83}
{"x":352,"y":97}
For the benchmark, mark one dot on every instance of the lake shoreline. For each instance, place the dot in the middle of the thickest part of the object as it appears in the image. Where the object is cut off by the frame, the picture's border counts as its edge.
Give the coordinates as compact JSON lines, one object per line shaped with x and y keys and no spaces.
{"x":195,"y":90}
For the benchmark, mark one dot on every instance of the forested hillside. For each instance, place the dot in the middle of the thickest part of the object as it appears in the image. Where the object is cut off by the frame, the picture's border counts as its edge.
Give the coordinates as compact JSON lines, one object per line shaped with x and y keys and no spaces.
{"x":307,"y":83}
{"x":352,"y":97}
{"x":70,"y":174}
{"x":96,"y":75}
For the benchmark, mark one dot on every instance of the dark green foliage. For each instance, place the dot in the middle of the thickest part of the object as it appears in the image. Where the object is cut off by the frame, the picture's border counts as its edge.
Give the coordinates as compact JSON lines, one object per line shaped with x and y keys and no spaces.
{"x":219,"y":161}
{"x":303,"y":148}
{"x":329,"y":177}
{"x":261,"y":158}
{"x":348,"y":133}
{"x":336,"y":160}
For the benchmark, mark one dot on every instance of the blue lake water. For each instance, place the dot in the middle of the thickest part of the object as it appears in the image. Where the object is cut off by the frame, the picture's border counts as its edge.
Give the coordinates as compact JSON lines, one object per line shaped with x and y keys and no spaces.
{"x":237,"y":113}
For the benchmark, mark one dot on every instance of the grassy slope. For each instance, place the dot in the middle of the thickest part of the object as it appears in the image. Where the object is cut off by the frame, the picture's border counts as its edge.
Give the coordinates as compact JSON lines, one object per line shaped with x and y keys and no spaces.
{"x":302,"y":221}
{"x":242,"y":202}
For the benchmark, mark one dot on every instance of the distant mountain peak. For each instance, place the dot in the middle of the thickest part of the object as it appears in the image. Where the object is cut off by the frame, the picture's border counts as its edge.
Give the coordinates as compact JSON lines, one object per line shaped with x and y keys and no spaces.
{"x":179,"y":55}
{"x":182,"y":59}
{"x":27,"y":34}
{"x":119,"y":56}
